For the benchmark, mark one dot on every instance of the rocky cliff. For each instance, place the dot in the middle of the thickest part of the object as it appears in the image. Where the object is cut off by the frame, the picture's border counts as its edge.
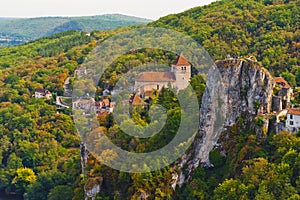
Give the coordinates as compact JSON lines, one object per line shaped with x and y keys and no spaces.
{"x":235,"y":88}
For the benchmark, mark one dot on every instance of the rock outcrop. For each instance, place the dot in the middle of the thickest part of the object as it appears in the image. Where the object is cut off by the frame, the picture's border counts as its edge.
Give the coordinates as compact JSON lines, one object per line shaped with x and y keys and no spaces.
{"x":92,"y":187}
{"x":84,"y":155}
{"x":235,"y":87}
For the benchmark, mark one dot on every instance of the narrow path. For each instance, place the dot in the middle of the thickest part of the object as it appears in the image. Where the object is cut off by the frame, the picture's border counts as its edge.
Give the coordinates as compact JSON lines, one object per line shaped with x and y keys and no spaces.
{"x":60,"y":103}
{"x":67,"y":90}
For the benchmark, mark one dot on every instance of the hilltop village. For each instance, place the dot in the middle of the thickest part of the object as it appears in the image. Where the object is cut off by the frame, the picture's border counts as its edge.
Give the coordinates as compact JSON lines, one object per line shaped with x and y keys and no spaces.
{"x":149,"y":83}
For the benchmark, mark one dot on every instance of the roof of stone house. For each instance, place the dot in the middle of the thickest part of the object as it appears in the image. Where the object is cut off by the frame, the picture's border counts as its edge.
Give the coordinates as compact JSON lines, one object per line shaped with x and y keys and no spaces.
{"x":282,"y":82}
{"x":42,"y":91}
{"x":137,"y":100}
{"x":294,"y":111}
{"x":284,"y":111}
{"x":106,"y":101}
{"x":156,"y":77}
{"x":181,"y":60}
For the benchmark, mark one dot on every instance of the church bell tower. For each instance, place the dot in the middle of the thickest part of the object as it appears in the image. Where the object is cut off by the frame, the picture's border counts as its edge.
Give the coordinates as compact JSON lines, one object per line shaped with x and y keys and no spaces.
{"x":182,"y":71}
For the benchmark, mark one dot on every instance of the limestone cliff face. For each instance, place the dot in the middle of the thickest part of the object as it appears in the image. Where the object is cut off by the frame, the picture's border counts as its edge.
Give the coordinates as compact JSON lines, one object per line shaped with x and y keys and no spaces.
{"x":235,"y":88}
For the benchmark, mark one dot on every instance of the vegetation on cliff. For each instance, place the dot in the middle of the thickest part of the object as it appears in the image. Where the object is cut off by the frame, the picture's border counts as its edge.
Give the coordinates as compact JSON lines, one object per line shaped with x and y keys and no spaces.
{"x":39,"y":151}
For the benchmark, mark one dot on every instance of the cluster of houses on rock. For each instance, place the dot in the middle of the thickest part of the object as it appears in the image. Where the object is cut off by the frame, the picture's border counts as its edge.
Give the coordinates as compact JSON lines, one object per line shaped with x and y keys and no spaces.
{"x":288,"y":118}
{"x":102,"y":107}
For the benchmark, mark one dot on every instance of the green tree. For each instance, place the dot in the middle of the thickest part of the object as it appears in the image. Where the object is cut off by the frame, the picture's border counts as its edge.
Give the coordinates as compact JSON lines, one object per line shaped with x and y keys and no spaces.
{"x":289,"y":77}
{"x":61,"y":192}
{"x":24,"y":177}
{"x":14,"y":162}
{"x":231,"y":189}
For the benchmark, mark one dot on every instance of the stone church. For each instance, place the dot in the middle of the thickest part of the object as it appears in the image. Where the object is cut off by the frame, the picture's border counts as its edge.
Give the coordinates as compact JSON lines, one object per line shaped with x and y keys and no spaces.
{"x":178,"y":78}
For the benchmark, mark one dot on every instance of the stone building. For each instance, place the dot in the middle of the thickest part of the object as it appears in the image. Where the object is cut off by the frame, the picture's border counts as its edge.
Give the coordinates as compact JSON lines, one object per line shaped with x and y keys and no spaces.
{"x":42,"y":93}
{"x":90,"y":105}
{"x":178,"y":78}
{"x":283,"y":93}
{"x":293,"y":120}
{"x":87,"y":105}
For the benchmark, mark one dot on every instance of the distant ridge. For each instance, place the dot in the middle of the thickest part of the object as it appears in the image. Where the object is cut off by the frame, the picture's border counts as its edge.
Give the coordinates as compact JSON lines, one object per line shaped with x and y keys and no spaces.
{"x":19,"y":30}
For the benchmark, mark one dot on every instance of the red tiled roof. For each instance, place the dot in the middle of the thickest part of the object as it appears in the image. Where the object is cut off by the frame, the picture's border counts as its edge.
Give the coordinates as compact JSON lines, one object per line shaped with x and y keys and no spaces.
{"x":137,"y":100}
{"x":106,"y":101}
{"x":156,"y":77}
{"x":282,"y":82}
{"x":181,"y":60}
{"x":294,"y":111}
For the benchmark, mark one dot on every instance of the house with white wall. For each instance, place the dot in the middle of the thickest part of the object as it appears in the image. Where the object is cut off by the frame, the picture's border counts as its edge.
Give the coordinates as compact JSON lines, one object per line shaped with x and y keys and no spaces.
{"x":293,"y":120}
{"x":42,"y":93}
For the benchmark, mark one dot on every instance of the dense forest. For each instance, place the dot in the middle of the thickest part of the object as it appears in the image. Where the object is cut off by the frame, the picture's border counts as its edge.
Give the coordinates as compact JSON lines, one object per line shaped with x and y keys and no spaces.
{"x":39,"y":151}
{"x":17,"y":31}
{"x":266,"y":29}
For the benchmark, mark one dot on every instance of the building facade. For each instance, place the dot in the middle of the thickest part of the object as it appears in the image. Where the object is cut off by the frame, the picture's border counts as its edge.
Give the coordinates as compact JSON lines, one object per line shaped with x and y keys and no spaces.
{"x":42,"y":93}
{"x":293,"y":120}
{"x":283,"y":93}
{"x":178,"y":78}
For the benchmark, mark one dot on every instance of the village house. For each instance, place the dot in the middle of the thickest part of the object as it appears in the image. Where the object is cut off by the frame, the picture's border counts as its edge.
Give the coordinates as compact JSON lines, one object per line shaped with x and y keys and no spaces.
{"x":106,"y":92}
{"x":104,"y":107}
{"x":84,"y":104}
{"x":42,"y":93}
{"x":136,"y":100}
{"x":90,"y":105}
{"x":293,"y":120}
{"x":283,"y":93}
{"x":178,"y":78}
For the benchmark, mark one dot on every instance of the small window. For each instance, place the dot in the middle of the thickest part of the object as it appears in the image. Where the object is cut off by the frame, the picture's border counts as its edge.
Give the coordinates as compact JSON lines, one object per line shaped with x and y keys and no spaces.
{"x":291,"y":116}
{"x":291,"y":123}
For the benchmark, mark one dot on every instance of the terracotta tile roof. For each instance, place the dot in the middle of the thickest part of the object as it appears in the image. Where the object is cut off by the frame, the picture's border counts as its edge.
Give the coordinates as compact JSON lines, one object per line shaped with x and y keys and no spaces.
{"x":156,"y":77}
{"x":137,"y":100}
{"x":282,"y":82}
{"x":106,"y":101}
{"x":294,"y":111}
{"x":181,"y":60}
